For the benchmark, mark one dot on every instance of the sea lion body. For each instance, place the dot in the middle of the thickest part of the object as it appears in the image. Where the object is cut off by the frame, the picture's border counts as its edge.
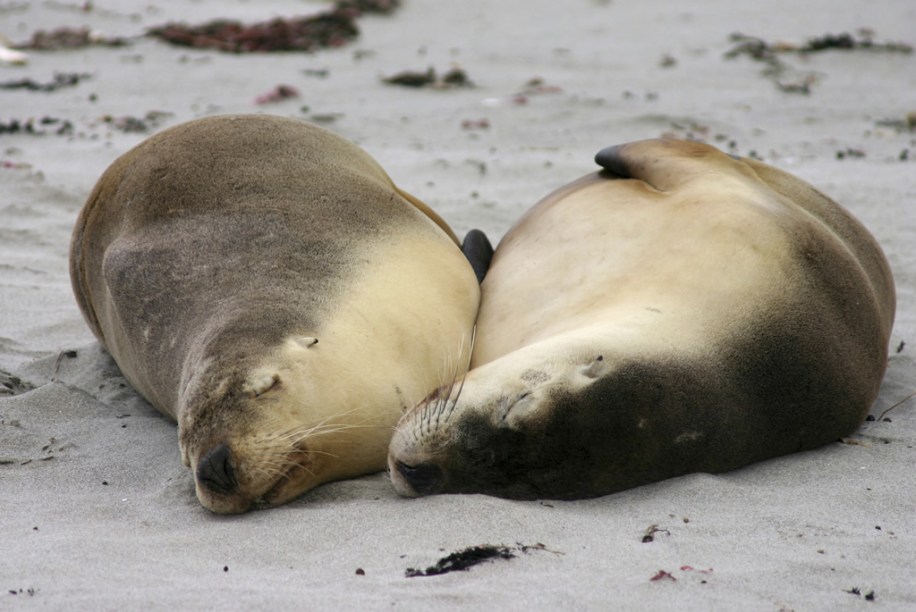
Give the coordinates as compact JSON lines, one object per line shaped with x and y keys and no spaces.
{"x":679,"y":311}
{"x":263,"y":282}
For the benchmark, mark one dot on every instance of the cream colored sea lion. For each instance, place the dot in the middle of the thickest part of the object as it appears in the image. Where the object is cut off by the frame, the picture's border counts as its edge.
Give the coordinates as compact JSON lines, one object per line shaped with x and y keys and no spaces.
{"x":264,"y":283}
{"x":680,"y":311}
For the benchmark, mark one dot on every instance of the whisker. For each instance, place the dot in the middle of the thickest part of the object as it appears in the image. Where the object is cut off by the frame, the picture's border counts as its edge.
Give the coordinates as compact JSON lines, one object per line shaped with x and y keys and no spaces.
{"x":294,"y":437}
{"x":903,"y":401}
{"x":464,"y":377}
{"x":429,"y":413}
{"x":311,"y":451}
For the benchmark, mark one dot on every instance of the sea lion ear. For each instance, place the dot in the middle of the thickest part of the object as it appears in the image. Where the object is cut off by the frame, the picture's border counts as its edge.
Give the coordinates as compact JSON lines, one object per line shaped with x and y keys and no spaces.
{"x":594,"y":369}
{"x":260,"y":383}
{"x":305,"y":342}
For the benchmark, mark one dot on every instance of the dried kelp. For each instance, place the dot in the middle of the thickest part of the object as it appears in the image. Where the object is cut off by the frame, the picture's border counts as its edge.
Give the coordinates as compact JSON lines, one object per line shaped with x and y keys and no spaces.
{"x":333,"y":28}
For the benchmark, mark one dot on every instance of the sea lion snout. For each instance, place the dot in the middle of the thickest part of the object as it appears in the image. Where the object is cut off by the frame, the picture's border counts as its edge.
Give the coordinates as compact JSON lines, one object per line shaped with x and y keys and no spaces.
{"x":422,"y":479}
{"x":216,"y":472}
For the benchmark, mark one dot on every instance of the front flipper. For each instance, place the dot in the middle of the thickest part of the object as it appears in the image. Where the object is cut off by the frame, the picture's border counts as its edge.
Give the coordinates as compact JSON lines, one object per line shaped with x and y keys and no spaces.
{"x":667,"y":164}
{"x":479,"y":252}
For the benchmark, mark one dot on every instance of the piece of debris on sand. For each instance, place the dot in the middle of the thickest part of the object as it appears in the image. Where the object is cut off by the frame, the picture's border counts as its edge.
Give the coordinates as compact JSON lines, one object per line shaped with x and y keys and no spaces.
{"x":10,"y":56}
{"x":70,"y":38}
{"x":863,"y":40}
{"x":277,"y":94}
{"x":10,"y":384}
{"x":454,"y":78}
{"x":466,"y":558}
{"x":784,"y":75}
{"x":332,"y":28}
{"x":133,"y":124}
{"x":61,"y":79}
{"x":37,"y":127}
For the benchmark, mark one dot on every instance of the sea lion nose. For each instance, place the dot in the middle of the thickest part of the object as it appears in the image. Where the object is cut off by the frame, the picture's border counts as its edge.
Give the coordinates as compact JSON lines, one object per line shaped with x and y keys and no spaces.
{"x":425,"y":478}
{"x":215,"y":470}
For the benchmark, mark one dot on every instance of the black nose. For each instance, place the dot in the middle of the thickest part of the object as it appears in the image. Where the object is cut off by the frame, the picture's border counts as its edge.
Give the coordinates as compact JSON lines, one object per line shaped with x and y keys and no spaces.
{"x":215,"y":470}
{"x":425,"y":478}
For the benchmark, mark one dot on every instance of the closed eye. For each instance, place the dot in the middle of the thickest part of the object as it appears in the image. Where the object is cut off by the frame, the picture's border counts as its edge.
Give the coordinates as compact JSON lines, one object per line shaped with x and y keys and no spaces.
{"x":506,"y":406}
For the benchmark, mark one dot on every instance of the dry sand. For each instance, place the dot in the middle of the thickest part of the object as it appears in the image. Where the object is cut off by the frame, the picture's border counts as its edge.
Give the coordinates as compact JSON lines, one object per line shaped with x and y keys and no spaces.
{"x":96,"y":510}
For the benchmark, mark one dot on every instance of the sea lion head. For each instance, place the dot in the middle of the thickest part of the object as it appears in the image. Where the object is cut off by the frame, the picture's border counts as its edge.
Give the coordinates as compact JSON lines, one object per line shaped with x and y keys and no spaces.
{"x":260,"y":433}
{"x":509,"y":428}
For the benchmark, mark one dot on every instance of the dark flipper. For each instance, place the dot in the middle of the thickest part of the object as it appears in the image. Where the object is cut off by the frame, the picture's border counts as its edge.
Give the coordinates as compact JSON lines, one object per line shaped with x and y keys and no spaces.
{"x":611,"y":160}
{"x":667,"y":164}
{"x":477,"y":248}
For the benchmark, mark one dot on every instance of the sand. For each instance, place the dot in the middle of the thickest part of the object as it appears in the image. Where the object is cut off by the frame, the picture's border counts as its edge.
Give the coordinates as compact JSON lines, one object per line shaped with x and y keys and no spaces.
{"x":98,"y":512}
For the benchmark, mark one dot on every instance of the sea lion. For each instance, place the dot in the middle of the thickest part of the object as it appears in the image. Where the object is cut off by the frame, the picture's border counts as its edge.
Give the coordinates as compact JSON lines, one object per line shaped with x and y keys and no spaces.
{"x":263,"y":282}
{"x":679,"y":311}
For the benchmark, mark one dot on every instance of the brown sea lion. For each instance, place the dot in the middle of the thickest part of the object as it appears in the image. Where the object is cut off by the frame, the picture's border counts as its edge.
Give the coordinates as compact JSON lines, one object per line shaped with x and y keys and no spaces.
{"x":679,"y":311}
{"x":263,"y":282}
